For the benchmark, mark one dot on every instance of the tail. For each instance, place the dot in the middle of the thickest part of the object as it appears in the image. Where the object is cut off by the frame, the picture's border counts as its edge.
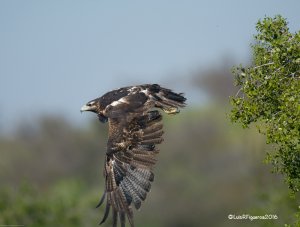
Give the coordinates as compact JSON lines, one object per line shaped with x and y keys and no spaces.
{"x":166,"y":99}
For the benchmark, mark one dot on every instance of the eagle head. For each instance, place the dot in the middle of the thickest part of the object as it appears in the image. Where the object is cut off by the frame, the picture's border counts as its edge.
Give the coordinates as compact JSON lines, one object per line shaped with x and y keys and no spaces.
{"x":94,"y":106}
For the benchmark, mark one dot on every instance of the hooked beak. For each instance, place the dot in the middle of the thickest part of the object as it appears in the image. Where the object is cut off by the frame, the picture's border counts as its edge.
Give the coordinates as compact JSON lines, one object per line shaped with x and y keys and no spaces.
{"x":86,"y":108}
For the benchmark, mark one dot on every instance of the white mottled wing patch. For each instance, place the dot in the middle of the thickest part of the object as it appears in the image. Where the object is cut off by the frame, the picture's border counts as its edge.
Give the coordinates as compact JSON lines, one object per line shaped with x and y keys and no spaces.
{"x":120,"y":101}
{"x":132,"y":89}
{"x":145,"y":91}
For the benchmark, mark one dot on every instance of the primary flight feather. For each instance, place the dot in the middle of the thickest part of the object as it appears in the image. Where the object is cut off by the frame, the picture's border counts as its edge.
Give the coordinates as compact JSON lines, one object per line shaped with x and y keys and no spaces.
{"x":135,"y":127}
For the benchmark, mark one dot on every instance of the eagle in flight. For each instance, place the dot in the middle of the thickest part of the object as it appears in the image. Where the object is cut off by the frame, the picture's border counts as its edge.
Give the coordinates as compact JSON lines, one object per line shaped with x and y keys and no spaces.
{"x":135,"y":127}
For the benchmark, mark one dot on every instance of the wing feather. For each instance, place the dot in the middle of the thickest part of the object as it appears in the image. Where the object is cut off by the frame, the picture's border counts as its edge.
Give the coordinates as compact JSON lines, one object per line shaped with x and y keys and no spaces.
{"x":115,"y":218}
{"x":102,"y":199}
{"x":131,"y":155}
{"x":106,"y":212}
{"x":133,"y":103}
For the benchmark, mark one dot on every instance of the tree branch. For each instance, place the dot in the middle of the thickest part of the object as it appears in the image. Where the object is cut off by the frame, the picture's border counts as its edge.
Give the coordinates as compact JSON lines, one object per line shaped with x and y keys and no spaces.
{"x":259,"y":66}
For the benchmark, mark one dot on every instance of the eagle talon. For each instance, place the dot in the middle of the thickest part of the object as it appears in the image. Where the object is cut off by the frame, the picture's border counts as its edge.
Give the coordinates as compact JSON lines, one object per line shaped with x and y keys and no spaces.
{"x":171,"y":110}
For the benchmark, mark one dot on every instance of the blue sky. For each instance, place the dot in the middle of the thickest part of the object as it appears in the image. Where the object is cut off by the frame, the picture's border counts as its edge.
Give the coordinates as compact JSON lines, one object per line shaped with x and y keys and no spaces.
{"x":56,"y":55}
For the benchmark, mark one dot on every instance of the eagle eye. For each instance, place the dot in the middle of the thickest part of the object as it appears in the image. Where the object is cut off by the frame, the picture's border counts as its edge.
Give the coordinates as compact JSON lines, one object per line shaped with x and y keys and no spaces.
{"x":90,"y":104}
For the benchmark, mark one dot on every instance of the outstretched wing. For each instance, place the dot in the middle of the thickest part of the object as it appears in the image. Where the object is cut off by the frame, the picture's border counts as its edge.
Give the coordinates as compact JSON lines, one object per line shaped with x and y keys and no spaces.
{"x":131,"y":154}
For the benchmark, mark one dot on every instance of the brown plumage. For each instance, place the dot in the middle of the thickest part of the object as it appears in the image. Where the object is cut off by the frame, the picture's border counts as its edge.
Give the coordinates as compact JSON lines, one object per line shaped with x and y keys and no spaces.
{"x":135,"y":128}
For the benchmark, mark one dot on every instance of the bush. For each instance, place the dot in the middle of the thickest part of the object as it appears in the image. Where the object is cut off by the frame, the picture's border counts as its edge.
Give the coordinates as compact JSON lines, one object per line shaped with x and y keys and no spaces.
{"x":270,"y":94}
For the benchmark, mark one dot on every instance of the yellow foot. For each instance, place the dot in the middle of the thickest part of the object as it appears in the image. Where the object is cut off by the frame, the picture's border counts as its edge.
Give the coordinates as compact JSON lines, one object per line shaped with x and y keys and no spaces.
{"x":171,"y":110}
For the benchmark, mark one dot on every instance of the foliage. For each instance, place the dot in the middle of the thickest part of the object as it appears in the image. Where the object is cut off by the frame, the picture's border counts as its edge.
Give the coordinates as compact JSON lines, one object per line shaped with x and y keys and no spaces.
{"x":65,"y":204}
{"x":297,"y":222}
{"x":270,"y":94}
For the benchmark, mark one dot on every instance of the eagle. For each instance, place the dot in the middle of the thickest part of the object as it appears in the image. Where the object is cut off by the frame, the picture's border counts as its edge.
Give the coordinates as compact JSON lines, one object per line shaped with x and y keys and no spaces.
{"x":135,"y":128}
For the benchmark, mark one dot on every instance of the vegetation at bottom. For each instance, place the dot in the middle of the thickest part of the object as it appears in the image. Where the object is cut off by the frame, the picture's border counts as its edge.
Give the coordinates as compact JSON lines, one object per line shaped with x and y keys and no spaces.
{"x":51,"y":175}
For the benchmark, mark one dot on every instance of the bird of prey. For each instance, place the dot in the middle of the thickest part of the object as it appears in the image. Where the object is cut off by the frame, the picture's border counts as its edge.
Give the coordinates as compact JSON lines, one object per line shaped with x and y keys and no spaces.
{"x":135,"y":128}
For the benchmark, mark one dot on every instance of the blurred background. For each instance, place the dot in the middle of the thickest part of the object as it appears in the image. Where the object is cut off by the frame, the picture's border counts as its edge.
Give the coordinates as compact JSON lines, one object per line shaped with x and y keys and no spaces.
{"x":57,"y":55}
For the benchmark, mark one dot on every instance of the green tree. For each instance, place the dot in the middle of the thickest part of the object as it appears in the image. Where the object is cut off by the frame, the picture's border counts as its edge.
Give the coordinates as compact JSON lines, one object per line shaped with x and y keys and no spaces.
{"x":269,"y":94}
